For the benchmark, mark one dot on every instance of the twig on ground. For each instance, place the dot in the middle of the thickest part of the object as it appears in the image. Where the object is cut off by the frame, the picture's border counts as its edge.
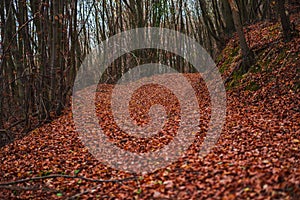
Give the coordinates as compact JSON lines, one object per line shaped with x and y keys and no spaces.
{"x":29,"y":188}
{"x":67,"y":176}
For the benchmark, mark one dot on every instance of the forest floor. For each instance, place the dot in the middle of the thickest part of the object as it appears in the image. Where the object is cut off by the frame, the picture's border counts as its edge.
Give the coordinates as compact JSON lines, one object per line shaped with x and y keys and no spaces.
{"x":256,"y":157}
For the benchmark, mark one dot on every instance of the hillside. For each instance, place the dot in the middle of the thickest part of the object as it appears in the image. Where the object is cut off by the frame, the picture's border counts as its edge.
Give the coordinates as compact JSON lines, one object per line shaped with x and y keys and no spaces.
{"x":256,"y":157}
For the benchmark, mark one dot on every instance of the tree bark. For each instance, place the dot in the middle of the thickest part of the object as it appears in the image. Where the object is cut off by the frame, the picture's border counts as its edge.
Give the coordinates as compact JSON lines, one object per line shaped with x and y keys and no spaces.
{"x":1,"y":64}
{"x":285,"y":21}
{"x":227,"y":15}
{"x":247,"y":54}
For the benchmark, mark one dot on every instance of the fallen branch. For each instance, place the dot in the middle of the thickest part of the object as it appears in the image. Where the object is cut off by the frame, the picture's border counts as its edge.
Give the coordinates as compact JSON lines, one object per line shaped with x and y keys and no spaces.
{"x":67,"y":176}
{"x":33,"y":188}
{"x":258,"y":48}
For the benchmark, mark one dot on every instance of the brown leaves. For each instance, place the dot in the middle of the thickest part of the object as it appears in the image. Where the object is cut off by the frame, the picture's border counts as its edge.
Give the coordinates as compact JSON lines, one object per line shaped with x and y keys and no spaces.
{"x":256,"y":157}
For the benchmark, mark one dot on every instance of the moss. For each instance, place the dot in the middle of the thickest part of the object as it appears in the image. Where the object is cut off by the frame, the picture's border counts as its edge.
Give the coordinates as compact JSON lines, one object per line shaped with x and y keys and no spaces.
{"x":280,"y":57}
{"x":296,"y":86}
{"x":252,"y":86}
{"x":235,"y":51}
{"x":265,"y":63}
{"x":255,"y":69}
{"x":230,"y":55}
{"x":223,"y":68}
{"x":236,"y":77}
{"x":219,"y":58}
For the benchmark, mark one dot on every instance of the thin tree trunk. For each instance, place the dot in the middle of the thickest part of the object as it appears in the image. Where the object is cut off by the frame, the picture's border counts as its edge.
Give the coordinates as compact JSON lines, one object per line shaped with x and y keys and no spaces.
{"x":285,"y":21}
{"x":227,"y":15}
{"x":247,"y":54}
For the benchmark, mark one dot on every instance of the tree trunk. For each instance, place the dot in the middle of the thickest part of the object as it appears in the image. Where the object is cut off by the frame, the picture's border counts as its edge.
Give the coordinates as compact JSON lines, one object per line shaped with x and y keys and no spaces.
{"x":247,"y":54}
{"x":285,"y":21}
{"x":227,"y":15}
{"x":243,"y":13}
{"x":210,"y":25}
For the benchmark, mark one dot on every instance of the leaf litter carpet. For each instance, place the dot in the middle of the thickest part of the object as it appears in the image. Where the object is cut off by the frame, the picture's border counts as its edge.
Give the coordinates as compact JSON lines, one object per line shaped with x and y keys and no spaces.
{"x":256,"y":156}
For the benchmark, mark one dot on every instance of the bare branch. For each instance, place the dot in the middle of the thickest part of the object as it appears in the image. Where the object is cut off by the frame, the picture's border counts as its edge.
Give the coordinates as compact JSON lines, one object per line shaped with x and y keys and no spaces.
{"x":30,"y":188}
{"x":67,"y":176}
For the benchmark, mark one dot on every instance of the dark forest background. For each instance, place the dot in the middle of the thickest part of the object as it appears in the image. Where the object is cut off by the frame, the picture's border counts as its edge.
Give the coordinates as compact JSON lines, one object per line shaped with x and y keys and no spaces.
{"x":44,"y":42}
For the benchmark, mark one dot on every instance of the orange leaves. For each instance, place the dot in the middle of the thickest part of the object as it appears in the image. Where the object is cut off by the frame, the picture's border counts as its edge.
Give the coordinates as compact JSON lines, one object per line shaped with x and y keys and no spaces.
{"x":256,"y":157}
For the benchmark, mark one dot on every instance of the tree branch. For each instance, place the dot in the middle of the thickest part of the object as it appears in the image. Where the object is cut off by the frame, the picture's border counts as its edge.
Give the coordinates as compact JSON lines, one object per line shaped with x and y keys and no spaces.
{"x":32,"y":188}
{"x":67,"y":176}
{"x":20,"y":29}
